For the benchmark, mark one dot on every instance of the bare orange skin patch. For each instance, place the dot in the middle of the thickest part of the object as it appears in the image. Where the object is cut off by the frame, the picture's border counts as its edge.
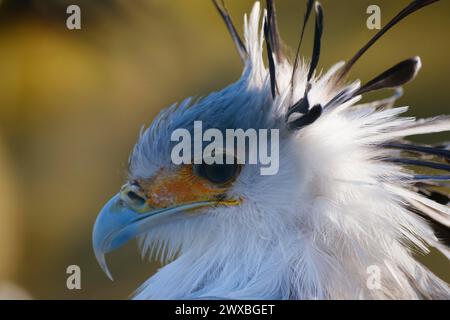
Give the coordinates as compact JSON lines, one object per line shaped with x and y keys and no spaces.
{"x":180,"y":186}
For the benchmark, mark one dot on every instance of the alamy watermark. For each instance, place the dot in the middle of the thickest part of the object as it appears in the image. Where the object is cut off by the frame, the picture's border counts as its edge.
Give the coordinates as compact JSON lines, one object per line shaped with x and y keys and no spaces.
{"x":73,"y":21}
{"x":374,"y":20}
{"x":257,"y":147}
{"x":374,"y":277}
{"x":73,"y":281}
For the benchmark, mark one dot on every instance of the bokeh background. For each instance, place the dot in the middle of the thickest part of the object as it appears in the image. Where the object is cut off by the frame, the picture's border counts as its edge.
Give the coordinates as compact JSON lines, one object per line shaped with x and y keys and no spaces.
{"x":72,"y":104}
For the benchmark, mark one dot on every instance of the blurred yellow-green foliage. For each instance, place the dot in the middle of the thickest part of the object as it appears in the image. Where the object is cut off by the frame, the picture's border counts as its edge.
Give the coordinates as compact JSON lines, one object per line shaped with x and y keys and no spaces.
{"x":72,"y":104}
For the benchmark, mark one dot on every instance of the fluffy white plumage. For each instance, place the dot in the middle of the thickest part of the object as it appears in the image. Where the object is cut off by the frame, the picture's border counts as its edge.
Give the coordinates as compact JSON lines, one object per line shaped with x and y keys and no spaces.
{"x":311,"y":231}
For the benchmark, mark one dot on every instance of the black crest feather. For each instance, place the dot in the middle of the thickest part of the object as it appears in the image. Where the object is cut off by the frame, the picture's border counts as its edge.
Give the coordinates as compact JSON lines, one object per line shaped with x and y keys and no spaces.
{"x":420,"y":163}
{"x":317,"y":40}
{"x":425,"y":177}
{"x":312,"y":115}
{"x":396,"y":76}
{"x":434,"y":151}
{"x":223,"y":11}
{"x":309,"y":5}
{"x":302,"y":106}
{"x":272,"y":70}
{"x":274,"y":34}
{"x":409,"y":9}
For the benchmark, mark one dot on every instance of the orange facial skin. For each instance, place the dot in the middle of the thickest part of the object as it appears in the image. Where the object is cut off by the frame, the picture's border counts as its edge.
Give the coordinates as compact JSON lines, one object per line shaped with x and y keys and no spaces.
{"x":180,"y":186}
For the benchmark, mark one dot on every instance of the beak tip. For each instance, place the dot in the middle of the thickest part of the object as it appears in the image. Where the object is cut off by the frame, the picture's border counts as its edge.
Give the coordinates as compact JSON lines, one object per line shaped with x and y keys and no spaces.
{"x":108,"y":273}
{"x":110,"y":276}
{"x":102,"y":262}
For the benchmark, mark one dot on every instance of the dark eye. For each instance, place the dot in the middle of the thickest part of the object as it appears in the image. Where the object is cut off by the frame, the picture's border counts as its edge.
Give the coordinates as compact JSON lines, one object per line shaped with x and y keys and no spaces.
{"x":217,"y":173}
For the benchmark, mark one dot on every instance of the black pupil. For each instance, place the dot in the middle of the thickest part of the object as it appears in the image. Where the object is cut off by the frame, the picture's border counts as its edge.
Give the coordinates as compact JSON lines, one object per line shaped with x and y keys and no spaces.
{"x":217,"y":173}
{"x":136,"y":198}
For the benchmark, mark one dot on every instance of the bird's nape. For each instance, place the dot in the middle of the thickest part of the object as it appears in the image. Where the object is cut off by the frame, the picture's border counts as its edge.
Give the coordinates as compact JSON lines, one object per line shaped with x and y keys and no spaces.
{"x":348,"y":196}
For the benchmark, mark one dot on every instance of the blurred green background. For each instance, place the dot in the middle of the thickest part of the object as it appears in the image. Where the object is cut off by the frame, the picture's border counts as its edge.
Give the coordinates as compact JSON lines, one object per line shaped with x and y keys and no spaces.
{"x":72,"y":104}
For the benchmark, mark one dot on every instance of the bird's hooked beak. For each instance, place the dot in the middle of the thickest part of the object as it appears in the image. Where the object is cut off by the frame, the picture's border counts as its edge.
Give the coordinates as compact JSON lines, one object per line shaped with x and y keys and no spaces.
{"x":128,"y":214}
{"x":124,"y":217}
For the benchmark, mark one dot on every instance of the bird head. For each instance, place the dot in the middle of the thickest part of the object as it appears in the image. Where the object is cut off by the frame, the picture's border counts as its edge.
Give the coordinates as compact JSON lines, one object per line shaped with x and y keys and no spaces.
{"x":171,"y":204}
{"x":334,"y":203}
